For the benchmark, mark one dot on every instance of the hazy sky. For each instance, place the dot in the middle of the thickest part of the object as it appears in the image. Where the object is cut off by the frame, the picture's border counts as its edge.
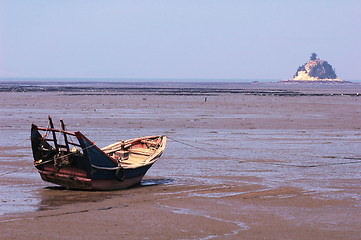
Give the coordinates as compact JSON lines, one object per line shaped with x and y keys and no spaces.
{"x":254,"y":39}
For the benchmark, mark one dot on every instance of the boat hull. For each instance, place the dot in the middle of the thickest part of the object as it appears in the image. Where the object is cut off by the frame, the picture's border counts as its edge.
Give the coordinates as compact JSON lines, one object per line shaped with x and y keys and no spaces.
{"x":83,"y":165}
{"x":74,"y":182}
{"x":73,"y":178}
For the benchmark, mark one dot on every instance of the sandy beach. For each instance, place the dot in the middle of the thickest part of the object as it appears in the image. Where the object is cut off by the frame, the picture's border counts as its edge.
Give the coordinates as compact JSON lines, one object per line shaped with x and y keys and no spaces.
{"x":243,"y":161}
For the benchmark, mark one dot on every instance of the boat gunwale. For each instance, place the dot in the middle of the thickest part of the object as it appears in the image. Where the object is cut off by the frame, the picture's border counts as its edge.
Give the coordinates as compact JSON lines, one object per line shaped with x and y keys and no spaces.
{"x":154,"y":156}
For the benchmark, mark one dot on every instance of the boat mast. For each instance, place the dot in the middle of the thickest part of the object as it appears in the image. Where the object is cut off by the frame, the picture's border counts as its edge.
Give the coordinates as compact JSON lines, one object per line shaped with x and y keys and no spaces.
{"x":65,"y":137}
{"x":54,"y":135}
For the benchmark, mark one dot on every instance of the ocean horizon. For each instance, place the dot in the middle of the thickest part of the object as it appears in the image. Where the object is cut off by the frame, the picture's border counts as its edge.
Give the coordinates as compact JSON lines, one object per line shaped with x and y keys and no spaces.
{"x":145,"y":80}
{"x":142,"y":80}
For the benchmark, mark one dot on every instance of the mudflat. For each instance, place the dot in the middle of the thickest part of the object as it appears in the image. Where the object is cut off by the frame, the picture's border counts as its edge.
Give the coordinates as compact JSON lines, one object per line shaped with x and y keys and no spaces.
{"x":243,"y":161}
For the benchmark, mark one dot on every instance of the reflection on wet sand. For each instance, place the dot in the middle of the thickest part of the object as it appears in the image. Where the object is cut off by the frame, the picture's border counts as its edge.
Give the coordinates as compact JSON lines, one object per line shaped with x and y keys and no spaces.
{"x":57,"y":196}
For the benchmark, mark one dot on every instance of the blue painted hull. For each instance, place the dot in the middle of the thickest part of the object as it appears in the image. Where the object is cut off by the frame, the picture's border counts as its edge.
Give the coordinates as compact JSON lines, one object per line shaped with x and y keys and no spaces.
{"x":73,"y":179}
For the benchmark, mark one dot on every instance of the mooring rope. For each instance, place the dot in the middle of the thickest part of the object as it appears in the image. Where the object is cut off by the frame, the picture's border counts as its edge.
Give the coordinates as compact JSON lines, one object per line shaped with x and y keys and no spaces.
{"x":38,"y":164}
{"x":199,"y":148}
{"x":358,"y":160}
{"x":17,"y":170}
{"x":26,"y":139}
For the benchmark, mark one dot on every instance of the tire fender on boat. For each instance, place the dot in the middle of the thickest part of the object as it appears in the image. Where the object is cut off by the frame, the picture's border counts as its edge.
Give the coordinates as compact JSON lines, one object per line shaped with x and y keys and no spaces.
{"x":119,"y":173}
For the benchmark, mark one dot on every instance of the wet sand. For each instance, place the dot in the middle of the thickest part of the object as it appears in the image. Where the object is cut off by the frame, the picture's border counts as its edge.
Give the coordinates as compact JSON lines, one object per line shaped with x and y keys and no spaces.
{"x":242,"y":162}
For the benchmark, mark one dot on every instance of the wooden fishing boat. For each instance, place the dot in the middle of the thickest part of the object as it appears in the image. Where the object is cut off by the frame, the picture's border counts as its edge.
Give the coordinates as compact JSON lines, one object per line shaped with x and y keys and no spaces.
{"x":83,"y":165}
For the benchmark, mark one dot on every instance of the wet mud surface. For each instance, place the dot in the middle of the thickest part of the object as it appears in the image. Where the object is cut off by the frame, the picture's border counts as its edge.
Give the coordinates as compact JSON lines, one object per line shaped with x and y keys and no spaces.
{"x":238,"y":165}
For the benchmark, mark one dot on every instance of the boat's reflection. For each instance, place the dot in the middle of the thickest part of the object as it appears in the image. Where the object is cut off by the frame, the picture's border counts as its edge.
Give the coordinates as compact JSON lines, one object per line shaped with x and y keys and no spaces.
{"x":56,"y":196}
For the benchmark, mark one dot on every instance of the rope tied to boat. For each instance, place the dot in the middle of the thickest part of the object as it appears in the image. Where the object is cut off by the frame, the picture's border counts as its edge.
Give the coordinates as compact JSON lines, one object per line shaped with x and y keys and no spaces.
{"x":41,"y":163}
{"x":26,"y":139}
{"x":199,"y":148}
{"x":356,"y":160}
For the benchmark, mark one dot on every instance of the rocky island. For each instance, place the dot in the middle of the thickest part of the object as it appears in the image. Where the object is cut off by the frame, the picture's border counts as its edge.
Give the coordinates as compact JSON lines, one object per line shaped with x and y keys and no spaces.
{"x":315,"y":70}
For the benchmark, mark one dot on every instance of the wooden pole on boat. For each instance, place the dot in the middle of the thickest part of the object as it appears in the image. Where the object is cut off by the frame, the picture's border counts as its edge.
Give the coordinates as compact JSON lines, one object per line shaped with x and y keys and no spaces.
{"x":54,"y":135}
{"x":65,"y":137}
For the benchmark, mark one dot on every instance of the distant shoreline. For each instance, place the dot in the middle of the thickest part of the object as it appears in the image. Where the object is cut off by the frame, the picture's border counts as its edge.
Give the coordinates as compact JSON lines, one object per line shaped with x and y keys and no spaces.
{"x":162,"y":80}
{"x":202,"y":89}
